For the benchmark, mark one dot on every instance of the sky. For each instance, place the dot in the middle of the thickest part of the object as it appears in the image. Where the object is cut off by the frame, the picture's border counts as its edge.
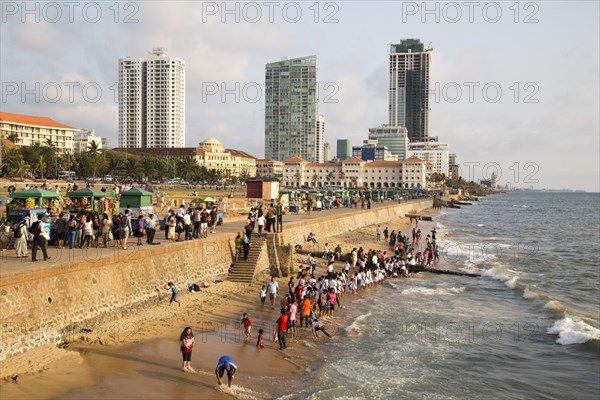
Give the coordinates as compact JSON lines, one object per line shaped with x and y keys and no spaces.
{"x":514,"y":85}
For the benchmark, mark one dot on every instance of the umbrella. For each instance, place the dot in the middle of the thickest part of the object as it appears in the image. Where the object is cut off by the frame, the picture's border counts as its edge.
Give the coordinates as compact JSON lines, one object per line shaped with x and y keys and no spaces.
{"x":208,"y":199}
{"x":198,"y":200}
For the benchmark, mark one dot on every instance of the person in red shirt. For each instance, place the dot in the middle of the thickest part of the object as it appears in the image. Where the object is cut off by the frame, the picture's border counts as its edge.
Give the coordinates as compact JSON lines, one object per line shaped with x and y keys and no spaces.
{"x":187,"y":346}
{"x":281,"y":327}
{"x":247,"y":325}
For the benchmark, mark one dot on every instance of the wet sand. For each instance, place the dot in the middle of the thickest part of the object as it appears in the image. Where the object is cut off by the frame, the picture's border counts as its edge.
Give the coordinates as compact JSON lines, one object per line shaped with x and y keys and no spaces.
{"x":138,"y":356}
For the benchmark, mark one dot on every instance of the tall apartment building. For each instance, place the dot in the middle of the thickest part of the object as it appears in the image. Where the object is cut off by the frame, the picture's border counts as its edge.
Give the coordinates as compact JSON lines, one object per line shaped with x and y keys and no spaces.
{"x":152,"y":101}
{"x":291,"y":110}
{"x":395,"y":138}
{"x":409,"y":65}
{"x":321,"y":145}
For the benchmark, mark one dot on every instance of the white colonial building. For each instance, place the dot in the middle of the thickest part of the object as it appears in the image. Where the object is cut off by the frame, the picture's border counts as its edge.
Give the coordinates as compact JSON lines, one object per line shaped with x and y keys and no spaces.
{"x":356,"y":173}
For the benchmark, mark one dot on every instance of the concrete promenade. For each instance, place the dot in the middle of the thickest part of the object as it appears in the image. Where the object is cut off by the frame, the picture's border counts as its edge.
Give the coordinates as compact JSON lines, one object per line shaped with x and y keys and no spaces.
{"x":10,"y":264}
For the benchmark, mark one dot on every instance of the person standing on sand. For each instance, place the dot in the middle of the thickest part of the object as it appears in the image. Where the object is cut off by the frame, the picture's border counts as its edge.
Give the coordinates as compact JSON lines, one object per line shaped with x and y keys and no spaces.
{"x":378,"y":233}
{"x":272,"y":287}
{"x":259,"y":341}
{"x":247,"y":324}
{"x":263,"y":295}
{"x":292,"y":318}
{"x":281,"y":328}
{"x":386,"y":233}
{"x":305,"y":311}
{"x":225,"y":363}
{"x":187,"y":346}
{"x":173,"y":289}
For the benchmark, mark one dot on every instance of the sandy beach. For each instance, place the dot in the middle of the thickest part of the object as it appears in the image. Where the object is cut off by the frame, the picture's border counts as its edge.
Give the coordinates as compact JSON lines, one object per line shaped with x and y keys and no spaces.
{"x":139,"y":356}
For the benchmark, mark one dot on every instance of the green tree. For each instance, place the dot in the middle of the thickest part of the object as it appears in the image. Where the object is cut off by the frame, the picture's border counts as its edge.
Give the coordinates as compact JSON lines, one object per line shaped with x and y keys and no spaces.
{"x":314,"y":179}
{"x":41,"y":166}
{"x":13,"y":137}
{"x":298,"y":177}
{"x":187,"y":169}
{"x":330,"y":177}
{"x":19,"y":167}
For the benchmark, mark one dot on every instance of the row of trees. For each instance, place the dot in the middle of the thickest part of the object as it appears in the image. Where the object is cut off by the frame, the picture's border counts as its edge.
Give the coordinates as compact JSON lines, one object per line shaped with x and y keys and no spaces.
{"x":42,"y":161}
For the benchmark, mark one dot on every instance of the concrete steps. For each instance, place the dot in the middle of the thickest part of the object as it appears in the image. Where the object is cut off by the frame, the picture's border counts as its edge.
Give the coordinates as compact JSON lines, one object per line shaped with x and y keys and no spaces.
{"x":243,"y":270}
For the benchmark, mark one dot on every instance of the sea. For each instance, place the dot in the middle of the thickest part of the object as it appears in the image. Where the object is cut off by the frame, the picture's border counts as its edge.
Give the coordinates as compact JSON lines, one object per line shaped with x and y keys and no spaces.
{"x":527,"y":328}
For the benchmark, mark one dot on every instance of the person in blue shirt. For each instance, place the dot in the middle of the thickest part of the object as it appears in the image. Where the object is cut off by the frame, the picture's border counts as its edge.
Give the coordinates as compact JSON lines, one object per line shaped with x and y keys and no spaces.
{"x":173,"y":290}
{"x":225,"y":364}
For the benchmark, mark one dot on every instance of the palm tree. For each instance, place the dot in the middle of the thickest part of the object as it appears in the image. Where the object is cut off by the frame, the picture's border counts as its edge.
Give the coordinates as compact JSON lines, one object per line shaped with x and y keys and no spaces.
{"x":133,"y":168}
{"x":41,"y":165}
{"x":94,"y":149}
{"x":13,"y":137}
{"x":330,"y":177}
{"x":114,"y":166}
{"x":19,"y":167}
{"x":314,"y":179}
{"x":298,"y":177}
{"x":187,"y":169}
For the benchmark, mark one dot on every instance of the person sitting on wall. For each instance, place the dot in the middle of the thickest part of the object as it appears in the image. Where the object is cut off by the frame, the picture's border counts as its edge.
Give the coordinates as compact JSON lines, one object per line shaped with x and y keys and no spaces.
{"x":311,"y":238}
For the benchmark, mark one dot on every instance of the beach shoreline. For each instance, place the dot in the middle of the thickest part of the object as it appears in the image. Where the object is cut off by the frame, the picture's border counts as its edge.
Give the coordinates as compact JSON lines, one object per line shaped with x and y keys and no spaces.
{"x":214,"y":312}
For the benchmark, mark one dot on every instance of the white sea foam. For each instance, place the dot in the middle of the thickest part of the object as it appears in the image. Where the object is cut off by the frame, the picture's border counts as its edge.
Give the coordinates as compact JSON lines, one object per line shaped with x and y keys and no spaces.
{"x":355,"y":325}
{"x":240,"y":392}
{"x":528,"y":294}
{"x":512,"y":282}
{"x":480,"y":225}
{"x":520,"y":205}
{"x":571,"y":332}
{"x":555,"y":305}
{"x":494,"y":274}
{"x":422,"y":291}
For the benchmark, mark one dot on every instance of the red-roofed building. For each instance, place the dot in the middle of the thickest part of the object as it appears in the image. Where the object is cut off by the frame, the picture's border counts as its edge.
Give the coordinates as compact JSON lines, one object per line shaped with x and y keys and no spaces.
{"x":354,"y":172}
{"x":31,"y":129}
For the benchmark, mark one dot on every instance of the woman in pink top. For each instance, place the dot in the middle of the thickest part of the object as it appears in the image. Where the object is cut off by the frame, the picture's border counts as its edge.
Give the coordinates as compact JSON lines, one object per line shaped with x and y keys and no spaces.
{"x":292,"y":319}
{"x":331,"y":300}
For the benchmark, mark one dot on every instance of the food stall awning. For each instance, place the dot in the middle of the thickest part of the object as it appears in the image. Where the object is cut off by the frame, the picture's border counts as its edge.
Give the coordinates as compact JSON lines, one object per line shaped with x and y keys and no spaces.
{"x":34,"y":193}
{"x":86,"y":192}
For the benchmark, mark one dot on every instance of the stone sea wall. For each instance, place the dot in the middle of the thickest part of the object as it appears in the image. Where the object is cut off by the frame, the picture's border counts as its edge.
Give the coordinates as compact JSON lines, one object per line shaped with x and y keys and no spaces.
{"x":54,"y":304}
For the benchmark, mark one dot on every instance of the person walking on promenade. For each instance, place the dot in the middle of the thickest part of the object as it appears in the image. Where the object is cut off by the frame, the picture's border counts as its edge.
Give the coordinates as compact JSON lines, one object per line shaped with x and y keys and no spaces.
{"x":150,"y":229}
{"x":21,"y":235}
{"x":39,"y":238}
{"x":187,"y":346}
{"x":61,"y":230}
{"x":72,"y":231}
{"x":105,"y":229}
{"x":225,"y":363}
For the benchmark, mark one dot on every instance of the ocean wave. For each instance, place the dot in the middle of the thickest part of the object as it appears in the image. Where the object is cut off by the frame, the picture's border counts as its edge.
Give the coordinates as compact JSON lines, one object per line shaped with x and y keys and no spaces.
{"x":432,"y":292}
{"x":528,"y":294}
{"x":556,"y":306}
{"x":571,"y":332}
{"x":480,"y":225}
{"x":520,"y":205}
{"x":512,"y":282}
{"x":355,"y":325}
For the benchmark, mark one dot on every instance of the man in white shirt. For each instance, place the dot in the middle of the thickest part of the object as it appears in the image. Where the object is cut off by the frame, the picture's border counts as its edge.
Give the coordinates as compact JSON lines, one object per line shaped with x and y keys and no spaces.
{"x":272,"y":287}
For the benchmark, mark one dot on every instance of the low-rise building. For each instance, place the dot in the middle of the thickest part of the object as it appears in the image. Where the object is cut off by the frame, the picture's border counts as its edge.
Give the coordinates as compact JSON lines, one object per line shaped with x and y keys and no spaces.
{"x":267,"y":168}
{"x":433,"y":151}
{"x":83,"y":139}
{"x":371,"y":151}
{"x":210,"y":154}
{"x":27,"y":130}
{"x":357,"y":173}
